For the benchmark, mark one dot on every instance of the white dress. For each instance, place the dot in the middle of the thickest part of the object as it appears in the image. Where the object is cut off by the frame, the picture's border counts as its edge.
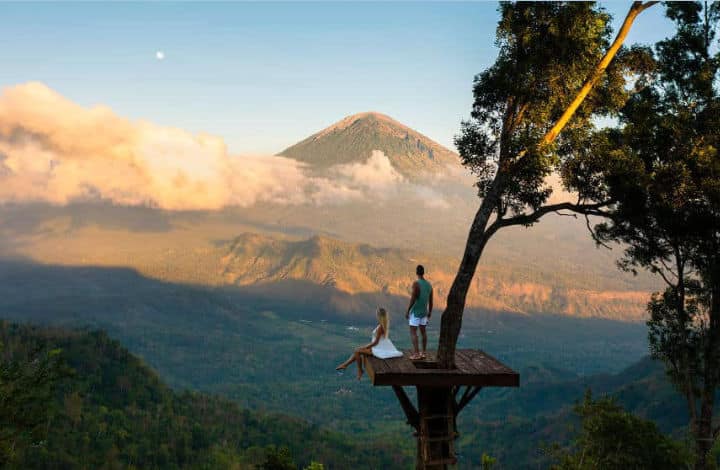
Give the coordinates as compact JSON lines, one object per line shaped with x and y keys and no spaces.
{"x":385,"y":349}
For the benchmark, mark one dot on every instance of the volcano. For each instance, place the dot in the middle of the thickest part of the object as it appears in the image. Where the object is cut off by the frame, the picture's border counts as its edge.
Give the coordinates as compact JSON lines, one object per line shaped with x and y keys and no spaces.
{"x":354,"y":138}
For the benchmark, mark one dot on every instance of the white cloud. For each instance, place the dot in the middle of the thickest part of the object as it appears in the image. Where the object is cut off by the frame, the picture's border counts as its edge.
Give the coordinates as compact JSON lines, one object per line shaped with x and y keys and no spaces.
{"x":376,"y":173}
{"x":56,"y":151}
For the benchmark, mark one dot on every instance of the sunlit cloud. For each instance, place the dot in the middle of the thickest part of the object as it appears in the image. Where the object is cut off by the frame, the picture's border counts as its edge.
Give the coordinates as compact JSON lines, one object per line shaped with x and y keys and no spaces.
{"x":53,"y":150}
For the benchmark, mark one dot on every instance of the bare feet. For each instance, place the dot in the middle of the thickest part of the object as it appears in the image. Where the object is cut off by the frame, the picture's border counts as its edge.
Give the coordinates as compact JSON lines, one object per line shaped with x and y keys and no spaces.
{"x":342,"y":366}
{"x":415,"y":356}
{"x":360,"y":374}
{"x":423,"y":355}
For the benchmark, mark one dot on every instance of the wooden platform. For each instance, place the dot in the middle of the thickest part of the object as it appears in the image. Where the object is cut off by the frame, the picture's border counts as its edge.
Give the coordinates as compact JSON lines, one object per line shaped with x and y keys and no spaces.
{"x":474,"y":368}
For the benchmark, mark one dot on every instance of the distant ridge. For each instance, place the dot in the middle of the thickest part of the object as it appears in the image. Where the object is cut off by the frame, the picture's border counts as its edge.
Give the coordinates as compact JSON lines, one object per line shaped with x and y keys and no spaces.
{"x":352,"y":268}
{"x":353,"y":138}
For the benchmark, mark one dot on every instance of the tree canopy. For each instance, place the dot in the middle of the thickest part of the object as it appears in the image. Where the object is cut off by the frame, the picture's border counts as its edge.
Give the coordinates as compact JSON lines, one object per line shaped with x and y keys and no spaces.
{"x":556,"y":70}
{"x":613,"y":439}
{"x":660,"y":165}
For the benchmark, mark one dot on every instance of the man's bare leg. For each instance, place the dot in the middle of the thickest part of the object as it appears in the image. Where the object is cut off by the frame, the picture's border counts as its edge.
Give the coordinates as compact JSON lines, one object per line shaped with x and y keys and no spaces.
{"x":414,"y":339}
{"x":424,"y":339}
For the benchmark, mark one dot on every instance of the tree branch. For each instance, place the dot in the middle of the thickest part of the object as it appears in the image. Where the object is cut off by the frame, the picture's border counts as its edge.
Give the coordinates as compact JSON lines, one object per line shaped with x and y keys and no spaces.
{"x":527,"y":219}
{"x":635,"y":10}
{"x":667,"y":268}
{"x":662,"y":275}
{"x":594,"y":235}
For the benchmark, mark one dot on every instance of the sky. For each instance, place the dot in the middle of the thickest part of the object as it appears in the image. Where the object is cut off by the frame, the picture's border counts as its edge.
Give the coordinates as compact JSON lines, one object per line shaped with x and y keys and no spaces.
{"x":263,"y":76}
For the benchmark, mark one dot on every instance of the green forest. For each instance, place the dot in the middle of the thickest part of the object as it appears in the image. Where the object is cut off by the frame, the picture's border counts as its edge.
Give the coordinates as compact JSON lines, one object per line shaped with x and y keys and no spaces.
{"x":78,"y":399}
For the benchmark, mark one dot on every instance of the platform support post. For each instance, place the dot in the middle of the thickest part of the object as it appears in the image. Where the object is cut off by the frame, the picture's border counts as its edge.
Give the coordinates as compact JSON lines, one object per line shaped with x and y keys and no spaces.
{"x":436,"y":432}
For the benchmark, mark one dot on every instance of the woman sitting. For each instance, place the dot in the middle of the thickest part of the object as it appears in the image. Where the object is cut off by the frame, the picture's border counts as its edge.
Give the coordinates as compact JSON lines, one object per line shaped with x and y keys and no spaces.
{"x":380,"y":347}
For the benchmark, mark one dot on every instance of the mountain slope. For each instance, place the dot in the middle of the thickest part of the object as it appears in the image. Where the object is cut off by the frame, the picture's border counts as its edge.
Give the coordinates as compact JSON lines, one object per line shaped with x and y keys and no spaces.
{"x":134,"y":418}
{"x":515,"y":425}
{"x":114,"y":412}
{"x":354,"y":138}
{"x":553,"y":267}
{"x":387,"y":273}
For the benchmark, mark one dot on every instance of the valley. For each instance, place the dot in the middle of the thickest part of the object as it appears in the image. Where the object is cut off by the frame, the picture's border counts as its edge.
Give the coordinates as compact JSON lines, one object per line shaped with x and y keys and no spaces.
{"x":277,"y":355}
{"x":258,"y":304}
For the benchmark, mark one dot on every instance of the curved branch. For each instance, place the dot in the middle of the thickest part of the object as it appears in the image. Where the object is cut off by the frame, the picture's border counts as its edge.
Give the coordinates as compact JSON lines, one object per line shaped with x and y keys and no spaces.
{"x":594,"y":235}
{"x":667,"y":268}
{"x":662,"y":275}
{"x":528,"y":219}
{"x":635,"y":10}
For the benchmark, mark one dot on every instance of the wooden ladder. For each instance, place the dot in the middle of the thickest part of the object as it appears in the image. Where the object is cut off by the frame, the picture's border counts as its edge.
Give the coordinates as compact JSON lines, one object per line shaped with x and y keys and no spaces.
{"x":448,"y":438}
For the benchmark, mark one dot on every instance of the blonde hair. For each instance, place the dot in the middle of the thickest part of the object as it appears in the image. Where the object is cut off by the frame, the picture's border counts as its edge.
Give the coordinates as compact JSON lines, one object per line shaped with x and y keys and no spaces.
{"x":384,"y":320}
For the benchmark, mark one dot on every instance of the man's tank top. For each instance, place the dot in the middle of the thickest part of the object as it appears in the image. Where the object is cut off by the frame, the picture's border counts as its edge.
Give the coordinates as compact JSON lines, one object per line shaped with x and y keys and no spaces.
{"x":420,"y":307}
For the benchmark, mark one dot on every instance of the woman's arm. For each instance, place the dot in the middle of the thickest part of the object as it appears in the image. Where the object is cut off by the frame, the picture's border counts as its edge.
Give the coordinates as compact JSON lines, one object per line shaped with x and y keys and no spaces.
{"x":378,"y":334}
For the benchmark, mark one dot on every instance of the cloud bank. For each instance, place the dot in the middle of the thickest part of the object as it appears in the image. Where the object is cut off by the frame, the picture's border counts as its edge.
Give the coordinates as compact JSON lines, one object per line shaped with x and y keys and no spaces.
{"x":53,"y":150}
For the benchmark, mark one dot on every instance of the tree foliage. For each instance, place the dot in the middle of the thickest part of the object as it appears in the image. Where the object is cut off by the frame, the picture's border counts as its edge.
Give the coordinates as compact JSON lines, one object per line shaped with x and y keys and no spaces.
{"x":112,"y":411}
{"x":612,"y":439}
{"x":662,"y":168}
{"x":26,"y":392}
{"x":546,"y":52}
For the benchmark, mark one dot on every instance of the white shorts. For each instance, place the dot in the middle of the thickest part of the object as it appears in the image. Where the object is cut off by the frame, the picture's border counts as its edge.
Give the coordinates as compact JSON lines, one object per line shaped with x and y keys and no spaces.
{"x":415,"y":321}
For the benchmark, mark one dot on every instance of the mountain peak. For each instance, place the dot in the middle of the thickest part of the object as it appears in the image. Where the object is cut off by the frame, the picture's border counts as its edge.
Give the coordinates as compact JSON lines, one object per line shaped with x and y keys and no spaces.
{"x":370,"y":115}
{"x":355,"y":137}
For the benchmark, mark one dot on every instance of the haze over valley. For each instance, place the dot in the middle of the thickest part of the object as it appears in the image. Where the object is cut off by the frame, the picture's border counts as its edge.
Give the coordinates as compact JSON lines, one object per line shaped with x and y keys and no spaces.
{"x":398,"y":199}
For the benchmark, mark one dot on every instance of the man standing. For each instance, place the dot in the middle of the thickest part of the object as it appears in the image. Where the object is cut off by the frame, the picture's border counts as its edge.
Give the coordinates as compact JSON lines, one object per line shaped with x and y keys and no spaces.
{"x":419,"y":311}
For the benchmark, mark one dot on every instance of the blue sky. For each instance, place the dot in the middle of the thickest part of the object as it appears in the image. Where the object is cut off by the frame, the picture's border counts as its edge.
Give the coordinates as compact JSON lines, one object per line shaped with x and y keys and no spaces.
{"x":264,"y":75}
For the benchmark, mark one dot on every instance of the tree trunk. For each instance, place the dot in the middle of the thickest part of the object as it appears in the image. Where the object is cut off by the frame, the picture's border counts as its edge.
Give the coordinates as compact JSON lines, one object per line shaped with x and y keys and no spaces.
{"x":451,"y":320}
{"x":705,"y":435}
{"x":688,"y":379}
{"x":704,"y":438}
{"x":435,"y":449}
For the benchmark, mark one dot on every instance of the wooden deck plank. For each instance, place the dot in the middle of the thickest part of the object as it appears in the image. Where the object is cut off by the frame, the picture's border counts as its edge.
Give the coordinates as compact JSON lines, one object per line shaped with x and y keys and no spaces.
{"x":474,"y":367}
{"x":486,"y":358}
{"x":381,"y":366}
{"x":465,"y":363}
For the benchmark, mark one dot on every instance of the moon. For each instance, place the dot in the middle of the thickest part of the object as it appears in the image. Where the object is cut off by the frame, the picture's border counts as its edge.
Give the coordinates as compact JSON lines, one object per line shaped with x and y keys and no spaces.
{"x":159,"y":55}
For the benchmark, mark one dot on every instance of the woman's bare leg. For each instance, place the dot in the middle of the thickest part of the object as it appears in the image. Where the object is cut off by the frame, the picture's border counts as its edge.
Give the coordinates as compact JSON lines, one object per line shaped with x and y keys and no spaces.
{"x":360,"y":365}
{"x":345,"y":364}
{"x":359,"y":359}
{"x":353,"y":357}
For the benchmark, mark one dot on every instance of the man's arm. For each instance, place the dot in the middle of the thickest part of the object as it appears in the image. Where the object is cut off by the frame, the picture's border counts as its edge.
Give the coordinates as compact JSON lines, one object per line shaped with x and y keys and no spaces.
{"x":413,"y":298}
{"x":430,"y":303}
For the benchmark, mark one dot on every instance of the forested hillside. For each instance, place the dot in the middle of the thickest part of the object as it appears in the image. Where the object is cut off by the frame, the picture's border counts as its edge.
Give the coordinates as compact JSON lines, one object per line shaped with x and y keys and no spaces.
{"x":77,"y":399}
{"x":89,"y":403}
